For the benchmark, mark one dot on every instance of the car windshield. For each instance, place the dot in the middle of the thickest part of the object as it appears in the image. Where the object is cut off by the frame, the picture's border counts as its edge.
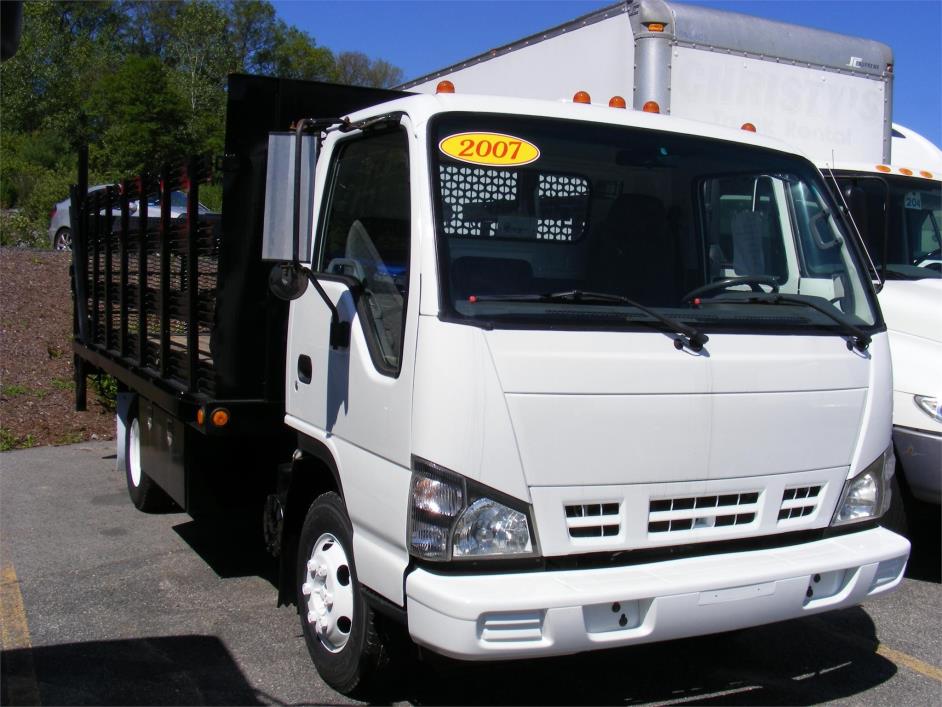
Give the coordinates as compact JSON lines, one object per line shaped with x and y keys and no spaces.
{"x":552,"y":223}
{"x":909,"y":242}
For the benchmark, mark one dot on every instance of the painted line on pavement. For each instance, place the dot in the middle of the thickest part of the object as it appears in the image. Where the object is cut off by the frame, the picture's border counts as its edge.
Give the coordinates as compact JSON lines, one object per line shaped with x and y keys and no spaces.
{"x":19,"y":671}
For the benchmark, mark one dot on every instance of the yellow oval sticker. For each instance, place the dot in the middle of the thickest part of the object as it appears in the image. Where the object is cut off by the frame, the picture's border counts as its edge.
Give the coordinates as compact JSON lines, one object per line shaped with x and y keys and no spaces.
{"x":494,"y":149}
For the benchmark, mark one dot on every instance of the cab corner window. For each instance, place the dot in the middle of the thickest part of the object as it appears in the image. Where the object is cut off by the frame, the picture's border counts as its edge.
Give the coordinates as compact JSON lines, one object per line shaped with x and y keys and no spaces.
{"x":365,"y":235}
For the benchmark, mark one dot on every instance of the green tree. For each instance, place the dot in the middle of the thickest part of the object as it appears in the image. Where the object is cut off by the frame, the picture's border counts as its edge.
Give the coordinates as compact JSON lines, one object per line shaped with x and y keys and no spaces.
{"x":137,"y":119}
{"x":358,"y":69}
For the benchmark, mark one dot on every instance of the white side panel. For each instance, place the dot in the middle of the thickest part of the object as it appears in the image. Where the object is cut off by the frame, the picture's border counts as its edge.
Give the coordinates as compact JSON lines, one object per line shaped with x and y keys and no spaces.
{"x":828,"y":116}
{"x":461,"y":416}
{"x":598,"y":58}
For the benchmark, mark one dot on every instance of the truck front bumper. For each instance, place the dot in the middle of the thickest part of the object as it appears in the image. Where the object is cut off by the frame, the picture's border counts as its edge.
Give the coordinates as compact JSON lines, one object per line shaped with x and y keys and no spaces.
{"x":531,"y":614}
{"x":920,"y":455}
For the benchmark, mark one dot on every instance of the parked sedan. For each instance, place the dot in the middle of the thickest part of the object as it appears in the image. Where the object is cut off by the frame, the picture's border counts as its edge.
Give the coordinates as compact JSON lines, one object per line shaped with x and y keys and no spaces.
{"x":60,"y":225}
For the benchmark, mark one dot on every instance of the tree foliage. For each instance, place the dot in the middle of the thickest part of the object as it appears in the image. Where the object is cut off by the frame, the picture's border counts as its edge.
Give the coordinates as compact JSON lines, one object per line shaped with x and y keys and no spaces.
{"x":140,"y":82}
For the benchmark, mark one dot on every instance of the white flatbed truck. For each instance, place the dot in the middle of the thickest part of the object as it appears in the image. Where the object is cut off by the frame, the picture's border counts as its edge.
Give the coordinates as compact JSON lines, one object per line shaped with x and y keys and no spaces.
{"x":829,"y":95}
{"x":522,"y":403}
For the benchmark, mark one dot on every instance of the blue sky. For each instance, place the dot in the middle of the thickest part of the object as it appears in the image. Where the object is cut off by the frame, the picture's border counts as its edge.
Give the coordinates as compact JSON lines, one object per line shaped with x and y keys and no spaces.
{"x":421,"y":36}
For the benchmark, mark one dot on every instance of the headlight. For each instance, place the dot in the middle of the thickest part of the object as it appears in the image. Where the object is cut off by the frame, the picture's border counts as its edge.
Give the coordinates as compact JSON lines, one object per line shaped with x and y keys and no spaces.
{"x":452,"y":517}
{"x":867,"y":495}
{"x":929,"y":404}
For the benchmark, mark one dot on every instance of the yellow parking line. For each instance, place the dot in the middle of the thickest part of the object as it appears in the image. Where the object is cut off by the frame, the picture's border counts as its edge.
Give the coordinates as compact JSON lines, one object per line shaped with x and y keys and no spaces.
{"x":913,"y":663}
{"x":21,"y":687}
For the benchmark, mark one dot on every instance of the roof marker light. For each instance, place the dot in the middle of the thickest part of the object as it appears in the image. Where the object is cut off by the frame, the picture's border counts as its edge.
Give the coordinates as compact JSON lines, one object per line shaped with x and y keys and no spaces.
{"x":905,"y":170}
{"x":749,"y":127}
{"x":617,"y":102}
{"x":651,"y":107}
{"x":445,"y":86}
{"x":926,"y":174}
{"x":883,"y":168}
{"x":581,"y":97}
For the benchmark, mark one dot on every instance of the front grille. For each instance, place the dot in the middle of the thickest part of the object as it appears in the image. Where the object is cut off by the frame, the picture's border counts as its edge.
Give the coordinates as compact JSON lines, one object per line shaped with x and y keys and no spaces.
{"x":593,"y":520}
{"x":799,"y":502}
{"x":666,"y":515}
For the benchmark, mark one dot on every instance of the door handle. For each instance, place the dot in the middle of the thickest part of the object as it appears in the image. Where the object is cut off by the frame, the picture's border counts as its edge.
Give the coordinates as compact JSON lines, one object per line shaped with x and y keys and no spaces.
{"x":305,"y":368}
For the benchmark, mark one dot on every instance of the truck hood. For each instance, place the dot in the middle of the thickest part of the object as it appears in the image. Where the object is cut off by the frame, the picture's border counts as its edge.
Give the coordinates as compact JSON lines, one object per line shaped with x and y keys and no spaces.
{"x":633,"y":409}
{"x":522,"y":409}
{"x":913,"y":307}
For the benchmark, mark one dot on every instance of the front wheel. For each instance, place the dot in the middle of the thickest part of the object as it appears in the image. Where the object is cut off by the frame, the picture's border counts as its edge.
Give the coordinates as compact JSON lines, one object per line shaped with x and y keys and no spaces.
{"x":338,"y":625}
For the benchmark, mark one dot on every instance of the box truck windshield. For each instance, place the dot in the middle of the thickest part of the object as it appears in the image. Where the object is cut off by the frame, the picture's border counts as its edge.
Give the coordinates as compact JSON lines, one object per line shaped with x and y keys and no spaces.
{"x":617,"y":227}
{"x":909,"y":244}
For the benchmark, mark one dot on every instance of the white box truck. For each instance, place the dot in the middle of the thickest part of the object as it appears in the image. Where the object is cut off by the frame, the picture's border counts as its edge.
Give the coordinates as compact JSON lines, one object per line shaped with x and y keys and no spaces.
{"x":829,"y":95}
{"x":519,"y":403}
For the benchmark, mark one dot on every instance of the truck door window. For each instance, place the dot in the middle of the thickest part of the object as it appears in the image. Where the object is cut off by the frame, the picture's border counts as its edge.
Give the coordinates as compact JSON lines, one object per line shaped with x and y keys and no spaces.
{"x":743,"y":228}
{"x":365,"y":235}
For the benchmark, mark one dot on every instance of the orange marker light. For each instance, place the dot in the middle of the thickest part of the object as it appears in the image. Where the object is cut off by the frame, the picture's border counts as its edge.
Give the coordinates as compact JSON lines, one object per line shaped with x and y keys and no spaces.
{"x":905,"y":170}
{"x":655,"y":27}
{"x":749,"y":126}
{"x":924,"y":173}
{"x":445,"y":86}
{"x":617,"y":102}
{"x":200,"y":416}
{"x":581,"y":97}
{"x":883,"y":168}
{"x":651,"y":107}
{"x":220,"y":417}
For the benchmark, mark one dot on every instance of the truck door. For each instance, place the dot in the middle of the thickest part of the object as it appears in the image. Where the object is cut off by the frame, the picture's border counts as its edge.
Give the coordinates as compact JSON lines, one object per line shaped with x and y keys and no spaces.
{"x":357,"y":400}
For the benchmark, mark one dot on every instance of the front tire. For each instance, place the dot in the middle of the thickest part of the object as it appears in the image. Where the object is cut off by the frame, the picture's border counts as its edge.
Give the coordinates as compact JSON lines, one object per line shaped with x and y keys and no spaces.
{"x":339,"y":627}
{"x":145,"y":494}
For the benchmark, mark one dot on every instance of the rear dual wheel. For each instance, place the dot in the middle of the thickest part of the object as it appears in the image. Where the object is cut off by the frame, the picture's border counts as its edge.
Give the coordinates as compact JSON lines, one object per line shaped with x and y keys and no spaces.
{"x":146,"y":495}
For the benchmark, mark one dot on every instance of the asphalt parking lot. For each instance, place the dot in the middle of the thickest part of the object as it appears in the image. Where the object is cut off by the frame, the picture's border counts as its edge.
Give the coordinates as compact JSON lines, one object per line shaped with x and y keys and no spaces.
{"x":101,"y":604}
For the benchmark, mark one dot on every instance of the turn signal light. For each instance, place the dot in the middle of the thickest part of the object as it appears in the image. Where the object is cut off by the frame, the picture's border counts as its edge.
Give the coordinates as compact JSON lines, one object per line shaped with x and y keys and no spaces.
{"x":655,"y":27}
{"x":445,"y":86}
{"x":220,"y":417}
{"x":617,"y":102}
{"x":905,"y":170}
{"x":200,"y":416}
{"x":883,"y":168}
{"x":749,"y":126}
{"x":581,"y":97}
{"x":651,"y":107}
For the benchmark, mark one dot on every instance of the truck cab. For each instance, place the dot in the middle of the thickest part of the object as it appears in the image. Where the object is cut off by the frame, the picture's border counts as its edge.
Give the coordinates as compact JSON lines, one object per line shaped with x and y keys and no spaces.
{"x":609,"y":378}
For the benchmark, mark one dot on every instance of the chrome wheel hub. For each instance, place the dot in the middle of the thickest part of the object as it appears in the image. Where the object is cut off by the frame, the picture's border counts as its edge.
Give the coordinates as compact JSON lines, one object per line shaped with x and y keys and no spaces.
{"x":328,"y":588}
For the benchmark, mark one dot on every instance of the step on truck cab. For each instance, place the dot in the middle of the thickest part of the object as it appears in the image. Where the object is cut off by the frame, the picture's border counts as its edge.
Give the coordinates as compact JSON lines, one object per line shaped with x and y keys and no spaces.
{"x":562,"y":377}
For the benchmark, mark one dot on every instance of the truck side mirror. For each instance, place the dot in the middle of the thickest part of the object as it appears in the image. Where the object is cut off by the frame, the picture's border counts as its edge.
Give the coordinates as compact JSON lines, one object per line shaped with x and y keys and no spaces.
{"x":278,"y":234}
{"x":287,"y":282}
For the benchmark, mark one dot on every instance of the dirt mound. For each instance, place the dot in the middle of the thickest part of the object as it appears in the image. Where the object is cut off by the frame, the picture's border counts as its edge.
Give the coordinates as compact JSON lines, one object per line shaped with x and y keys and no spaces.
{"x":37,"y":392}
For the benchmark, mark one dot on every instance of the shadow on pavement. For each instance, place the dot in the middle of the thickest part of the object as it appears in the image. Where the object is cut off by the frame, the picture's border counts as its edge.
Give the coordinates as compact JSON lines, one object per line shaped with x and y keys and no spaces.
{"x":230,"y":548}
{"x":925,"y":560}
{"x":807,"y":661}
{"x":171,"y":670}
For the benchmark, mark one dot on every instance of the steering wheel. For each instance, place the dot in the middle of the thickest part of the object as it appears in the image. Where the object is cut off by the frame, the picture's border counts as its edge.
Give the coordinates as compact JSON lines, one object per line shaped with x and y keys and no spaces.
{"x":752,"y":280}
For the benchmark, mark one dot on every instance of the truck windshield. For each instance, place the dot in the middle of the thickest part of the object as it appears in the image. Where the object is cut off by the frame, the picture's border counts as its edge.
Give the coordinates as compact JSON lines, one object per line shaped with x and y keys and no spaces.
{"x":689,"y":227}
{"x":909,"y":243}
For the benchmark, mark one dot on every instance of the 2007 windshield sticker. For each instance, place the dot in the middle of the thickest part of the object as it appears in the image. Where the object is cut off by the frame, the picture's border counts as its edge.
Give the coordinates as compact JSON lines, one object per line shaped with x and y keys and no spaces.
{"x":493,"y":149}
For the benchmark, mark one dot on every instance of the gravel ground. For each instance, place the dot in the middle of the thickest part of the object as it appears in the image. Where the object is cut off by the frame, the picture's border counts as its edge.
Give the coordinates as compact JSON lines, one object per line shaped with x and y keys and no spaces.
{"x":36,"y":379}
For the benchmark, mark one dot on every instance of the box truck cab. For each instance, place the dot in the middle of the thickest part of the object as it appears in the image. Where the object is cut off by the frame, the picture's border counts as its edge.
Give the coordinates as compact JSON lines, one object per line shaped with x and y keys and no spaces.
{"x":898,"y":213}
{"x":584,"y":377}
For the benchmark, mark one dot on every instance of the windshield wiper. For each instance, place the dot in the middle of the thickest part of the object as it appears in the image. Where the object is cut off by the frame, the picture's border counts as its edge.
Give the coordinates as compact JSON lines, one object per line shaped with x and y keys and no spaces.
{"x":687,"y":335}
{"x":860,"y":340}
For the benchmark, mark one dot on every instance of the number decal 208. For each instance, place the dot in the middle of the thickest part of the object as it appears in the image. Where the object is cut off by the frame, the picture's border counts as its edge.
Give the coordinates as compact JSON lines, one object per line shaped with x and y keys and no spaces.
{"x":493,"y":149}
